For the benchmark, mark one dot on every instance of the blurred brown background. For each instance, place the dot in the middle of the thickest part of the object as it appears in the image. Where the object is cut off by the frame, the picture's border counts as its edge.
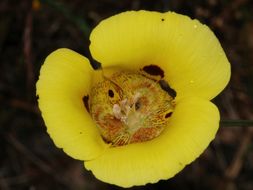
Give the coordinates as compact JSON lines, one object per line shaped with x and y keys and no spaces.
{"x":30,"y":30}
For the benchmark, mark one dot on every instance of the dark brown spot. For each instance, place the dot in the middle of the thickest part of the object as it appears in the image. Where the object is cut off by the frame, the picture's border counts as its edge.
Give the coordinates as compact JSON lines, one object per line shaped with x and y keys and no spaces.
{"x":154,"y":70}
{"x":137,"y":105}
{"x":80,"y":133}
{"x":168,"y":115}
{"x":162,"y":19}
{"x":111,"y":93}
{"x":165,"y":86}
{"x":86,"y":102}
{"x":106,"y":140}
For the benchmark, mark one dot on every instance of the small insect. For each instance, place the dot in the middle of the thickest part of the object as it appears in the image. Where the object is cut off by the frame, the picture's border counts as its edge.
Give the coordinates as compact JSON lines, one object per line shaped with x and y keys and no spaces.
{"x":129,"y":108}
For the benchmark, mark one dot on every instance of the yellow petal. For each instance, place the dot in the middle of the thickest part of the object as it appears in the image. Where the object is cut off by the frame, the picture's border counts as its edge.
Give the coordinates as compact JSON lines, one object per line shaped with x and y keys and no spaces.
{"x":186,"y":50}
{"x":193,"y":125}
{"x":64,"y":80}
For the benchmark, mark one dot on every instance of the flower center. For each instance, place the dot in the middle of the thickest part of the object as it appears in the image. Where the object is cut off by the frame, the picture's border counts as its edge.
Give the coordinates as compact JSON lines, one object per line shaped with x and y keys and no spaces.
{"x":130,"y":108}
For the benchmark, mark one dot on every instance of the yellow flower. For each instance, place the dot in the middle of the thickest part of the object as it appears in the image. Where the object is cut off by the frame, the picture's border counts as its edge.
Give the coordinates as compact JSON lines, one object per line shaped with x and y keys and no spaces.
{"x":180,"y":52}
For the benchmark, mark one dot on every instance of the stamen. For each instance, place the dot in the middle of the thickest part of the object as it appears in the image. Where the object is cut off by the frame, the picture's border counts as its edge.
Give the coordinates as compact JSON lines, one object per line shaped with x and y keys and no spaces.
{"x":117,"y":111}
